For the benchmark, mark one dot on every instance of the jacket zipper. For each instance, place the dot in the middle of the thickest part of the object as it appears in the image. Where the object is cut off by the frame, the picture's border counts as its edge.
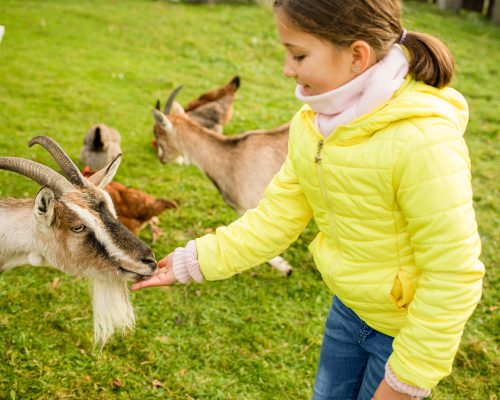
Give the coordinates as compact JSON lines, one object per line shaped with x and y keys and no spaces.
{"x":318,"y":155}
{"x":319,"y":171}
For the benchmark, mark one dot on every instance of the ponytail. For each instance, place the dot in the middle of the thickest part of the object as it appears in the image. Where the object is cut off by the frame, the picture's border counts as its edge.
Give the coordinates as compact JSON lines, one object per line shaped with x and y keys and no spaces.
{"x":378,"y":23}
{"x":430,"y":59}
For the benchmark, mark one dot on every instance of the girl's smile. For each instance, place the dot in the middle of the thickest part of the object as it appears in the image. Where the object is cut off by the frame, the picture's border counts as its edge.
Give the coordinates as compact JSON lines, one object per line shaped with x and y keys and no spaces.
{"x":306,"y":90}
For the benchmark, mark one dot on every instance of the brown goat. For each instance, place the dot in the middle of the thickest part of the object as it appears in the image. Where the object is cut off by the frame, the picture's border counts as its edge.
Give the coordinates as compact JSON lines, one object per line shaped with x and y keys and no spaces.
{"x":240,"y":166}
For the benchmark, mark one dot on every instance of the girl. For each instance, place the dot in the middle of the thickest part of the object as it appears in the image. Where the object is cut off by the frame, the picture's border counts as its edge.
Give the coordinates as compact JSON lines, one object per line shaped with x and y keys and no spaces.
{"x":377,"y":157}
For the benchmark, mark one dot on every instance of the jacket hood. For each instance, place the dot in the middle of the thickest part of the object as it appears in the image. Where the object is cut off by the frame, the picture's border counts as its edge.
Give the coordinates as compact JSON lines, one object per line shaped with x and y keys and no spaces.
{"x":412,"y":100}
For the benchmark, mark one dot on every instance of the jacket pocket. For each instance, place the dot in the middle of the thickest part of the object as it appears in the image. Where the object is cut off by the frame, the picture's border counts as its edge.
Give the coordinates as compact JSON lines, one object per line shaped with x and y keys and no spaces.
{"x":402,"y":290}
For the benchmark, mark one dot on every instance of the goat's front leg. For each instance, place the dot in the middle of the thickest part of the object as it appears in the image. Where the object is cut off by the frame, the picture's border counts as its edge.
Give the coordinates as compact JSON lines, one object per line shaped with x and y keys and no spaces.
{"x":280,"y":264}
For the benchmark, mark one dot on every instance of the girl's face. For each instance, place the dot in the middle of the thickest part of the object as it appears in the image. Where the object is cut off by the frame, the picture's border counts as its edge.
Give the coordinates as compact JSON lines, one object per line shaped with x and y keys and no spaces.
{"x":318,"y":65}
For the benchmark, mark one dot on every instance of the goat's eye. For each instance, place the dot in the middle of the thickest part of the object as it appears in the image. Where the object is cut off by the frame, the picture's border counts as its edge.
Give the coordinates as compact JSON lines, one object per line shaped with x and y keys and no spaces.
{"x":78,"y":228}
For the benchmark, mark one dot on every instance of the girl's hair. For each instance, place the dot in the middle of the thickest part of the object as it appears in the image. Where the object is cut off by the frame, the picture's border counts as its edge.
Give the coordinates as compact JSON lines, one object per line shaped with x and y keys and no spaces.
{"x":377,"y":22}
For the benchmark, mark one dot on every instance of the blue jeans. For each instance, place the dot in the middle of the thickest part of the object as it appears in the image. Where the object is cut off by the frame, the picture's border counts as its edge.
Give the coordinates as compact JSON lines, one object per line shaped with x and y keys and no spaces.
{"x":352,"y":359}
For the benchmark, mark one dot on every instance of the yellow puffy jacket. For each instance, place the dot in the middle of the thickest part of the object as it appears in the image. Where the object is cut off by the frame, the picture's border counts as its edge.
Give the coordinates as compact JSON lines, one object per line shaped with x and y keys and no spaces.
{"x":398,"y":243}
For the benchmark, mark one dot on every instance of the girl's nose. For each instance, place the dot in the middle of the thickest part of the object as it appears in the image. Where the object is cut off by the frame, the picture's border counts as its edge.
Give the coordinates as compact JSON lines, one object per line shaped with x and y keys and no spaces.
{"x":288,"y":71}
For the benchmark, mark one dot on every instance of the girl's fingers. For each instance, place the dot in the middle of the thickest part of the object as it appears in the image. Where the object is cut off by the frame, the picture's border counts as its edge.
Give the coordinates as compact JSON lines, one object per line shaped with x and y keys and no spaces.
{"x":161,"y":277}
{"x":154,"y":281}
{"x":165,"y":262}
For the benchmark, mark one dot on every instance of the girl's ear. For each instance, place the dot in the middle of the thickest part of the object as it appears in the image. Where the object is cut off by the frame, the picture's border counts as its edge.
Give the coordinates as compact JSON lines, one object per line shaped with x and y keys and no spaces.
{"x":363,"y":56}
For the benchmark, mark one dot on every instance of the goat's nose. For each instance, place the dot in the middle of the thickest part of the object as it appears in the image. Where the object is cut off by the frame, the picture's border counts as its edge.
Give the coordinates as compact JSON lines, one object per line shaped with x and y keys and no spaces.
{"x":150,"y":262}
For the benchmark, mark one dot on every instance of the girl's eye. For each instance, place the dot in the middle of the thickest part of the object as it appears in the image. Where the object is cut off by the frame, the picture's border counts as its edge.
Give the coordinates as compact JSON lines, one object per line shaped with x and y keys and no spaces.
{"x":78,"y":228}
{"x":298,"y":58}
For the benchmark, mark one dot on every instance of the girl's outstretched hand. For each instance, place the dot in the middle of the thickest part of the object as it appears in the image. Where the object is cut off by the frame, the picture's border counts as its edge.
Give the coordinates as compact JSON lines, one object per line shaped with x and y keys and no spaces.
{"x":163,"y":276}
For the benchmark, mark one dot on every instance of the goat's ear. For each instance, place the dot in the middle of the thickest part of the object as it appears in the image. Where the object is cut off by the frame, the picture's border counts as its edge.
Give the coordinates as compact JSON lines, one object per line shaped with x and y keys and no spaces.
{"x":44,"y":207}
{"x":177,"y":109}
{"x":102,"y":177}
{"x":162,"y":120}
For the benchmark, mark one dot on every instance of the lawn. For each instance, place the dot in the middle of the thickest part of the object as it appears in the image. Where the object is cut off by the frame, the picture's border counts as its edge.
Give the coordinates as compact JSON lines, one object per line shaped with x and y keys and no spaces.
{"x":65,"y":65}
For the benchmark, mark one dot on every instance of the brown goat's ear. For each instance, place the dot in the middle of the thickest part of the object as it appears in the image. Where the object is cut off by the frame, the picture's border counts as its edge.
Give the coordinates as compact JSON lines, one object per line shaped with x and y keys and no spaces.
{"x":177,"y":109}
{"x":162,"y":120}
{"x":157,"y":107}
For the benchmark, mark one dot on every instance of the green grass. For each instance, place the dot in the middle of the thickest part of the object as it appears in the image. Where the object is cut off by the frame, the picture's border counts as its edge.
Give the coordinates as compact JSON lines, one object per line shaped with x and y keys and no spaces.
{"x":65,"y":65}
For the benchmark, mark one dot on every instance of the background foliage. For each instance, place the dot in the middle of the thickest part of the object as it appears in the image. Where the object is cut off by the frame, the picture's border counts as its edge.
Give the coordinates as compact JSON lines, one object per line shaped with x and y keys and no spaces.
{"x":65,"y":65}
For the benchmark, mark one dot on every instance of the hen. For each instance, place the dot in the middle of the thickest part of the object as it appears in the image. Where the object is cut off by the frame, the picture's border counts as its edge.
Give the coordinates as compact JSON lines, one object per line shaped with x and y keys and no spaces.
{"x":100,"y":146}
{"x":214,"y":108}
{"x":136,"y":209}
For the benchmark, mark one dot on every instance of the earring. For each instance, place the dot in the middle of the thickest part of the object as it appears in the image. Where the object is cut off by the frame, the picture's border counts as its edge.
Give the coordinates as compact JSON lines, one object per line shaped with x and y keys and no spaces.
{"x":356,"y":69}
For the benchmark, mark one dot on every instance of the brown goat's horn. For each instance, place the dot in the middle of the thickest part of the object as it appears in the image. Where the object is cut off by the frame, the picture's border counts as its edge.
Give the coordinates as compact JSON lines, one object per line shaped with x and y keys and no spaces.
{"x":170,"y":101}
{"x":68,"y":167}
{"x":41,"y":174}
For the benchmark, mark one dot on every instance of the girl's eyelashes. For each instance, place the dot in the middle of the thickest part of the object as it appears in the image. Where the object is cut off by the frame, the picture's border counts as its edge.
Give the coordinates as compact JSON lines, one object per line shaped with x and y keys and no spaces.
{"x":298,"y":58}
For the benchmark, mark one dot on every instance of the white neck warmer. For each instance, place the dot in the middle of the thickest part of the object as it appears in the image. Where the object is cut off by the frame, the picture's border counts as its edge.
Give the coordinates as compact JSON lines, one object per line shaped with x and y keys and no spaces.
{"x":359,"y":96}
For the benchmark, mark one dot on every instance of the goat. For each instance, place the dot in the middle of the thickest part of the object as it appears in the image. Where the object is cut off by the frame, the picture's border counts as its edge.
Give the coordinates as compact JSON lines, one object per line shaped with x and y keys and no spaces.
{"x":240,"y":166}
{"x":71,"y":225}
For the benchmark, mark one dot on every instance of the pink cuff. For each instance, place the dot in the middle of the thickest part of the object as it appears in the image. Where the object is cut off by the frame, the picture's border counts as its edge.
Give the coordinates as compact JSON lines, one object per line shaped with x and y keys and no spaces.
{"x":402,"y":387}
{"x":185,"y":264}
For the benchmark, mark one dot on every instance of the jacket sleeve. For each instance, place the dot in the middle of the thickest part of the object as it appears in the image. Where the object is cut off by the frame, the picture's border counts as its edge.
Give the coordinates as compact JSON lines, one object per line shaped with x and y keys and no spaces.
{"x":261,"y":233}
{"x":433,"y":183}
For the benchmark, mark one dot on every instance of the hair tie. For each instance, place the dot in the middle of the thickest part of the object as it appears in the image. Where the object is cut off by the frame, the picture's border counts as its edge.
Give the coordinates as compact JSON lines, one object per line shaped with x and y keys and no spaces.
{"x":402,"y":37}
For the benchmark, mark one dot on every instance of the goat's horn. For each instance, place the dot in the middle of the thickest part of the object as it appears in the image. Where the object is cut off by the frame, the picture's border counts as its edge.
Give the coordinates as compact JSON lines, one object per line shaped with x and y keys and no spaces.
{"x":41,"y":174}
{"x":170,"y":101}
{"x":69,"y":168}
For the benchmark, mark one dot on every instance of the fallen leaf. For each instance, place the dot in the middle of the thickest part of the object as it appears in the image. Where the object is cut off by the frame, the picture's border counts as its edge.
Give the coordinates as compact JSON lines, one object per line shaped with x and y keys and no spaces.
{"x":55,"y":282}
{"x":117,"y":383}
{"x":156,"y":383}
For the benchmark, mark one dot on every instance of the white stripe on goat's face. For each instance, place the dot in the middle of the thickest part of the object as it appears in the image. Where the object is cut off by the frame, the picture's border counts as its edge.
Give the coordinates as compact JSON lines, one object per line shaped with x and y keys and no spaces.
{"x":97,"y":242}
{"x":99,"y":229}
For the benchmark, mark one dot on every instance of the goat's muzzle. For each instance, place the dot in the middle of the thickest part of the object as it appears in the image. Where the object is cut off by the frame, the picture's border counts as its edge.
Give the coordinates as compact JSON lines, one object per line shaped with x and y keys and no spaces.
{"x":137,"y":272}
{"x":136,"y":276}
{"x":151,"y":263}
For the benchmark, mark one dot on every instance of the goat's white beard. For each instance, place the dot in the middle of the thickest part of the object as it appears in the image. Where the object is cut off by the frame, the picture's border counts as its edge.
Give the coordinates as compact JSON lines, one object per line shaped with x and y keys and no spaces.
{"x":112,"y":310}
